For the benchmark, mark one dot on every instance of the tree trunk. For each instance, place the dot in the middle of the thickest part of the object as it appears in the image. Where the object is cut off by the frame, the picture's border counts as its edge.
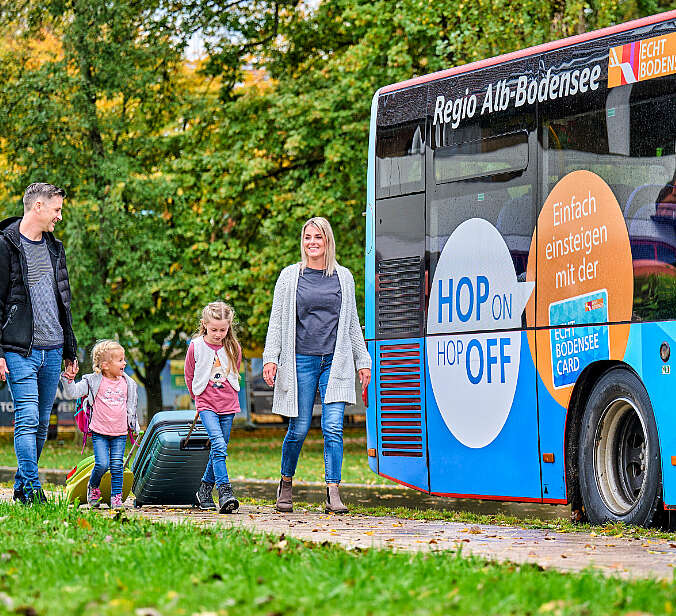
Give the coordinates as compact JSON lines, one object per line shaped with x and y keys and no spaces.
{"x":153,"y":387}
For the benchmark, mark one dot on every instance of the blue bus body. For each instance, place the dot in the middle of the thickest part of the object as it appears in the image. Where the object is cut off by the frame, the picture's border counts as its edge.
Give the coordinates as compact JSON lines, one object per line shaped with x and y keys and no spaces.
{"x":440,"y":175}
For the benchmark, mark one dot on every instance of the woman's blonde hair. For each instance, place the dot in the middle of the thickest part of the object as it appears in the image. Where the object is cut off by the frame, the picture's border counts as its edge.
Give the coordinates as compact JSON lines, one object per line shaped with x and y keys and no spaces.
{"x":220,"y":311}
{"x":329,"y":243}
{"x":101,"y":352}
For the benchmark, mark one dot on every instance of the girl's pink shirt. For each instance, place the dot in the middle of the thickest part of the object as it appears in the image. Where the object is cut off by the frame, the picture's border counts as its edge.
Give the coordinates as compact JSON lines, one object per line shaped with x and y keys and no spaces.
{"x":219,"y":396}
{"x":110,"y":407}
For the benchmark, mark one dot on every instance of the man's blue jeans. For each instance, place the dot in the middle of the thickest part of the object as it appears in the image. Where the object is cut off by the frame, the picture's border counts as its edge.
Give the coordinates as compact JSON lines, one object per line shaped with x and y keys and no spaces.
{"x":108,"y":454}
{"x":33,"y":381}
{"x":218,"y":426}
{"x":313,"y":371}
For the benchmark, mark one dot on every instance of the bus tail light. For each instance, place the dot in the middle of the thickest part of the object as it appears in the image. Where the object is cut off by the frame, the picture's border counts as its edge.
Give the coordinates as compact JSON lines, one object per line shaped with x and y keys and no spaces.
{"x":548,"y":457}
{"x":371,"y":452}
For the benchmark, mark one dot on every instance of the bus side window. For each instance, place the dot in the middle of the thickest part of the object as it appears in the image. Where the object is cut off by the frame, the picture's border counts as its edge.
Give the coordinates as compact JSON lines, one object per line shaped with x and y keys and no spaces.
{"x":400,"y":143}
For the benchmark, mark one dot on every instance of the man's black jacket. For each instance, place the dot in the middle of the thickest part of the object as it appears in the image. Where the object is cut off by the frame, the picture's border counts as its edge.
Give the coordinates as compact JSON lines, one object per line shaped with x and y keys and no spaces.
{"x":16,"y":312}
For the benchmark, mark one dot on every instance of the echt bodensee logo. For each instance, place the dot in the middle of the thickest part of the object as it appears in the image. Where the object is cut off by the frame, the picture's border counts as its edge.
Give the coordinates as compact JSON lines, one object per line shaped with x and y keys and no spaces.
{"x":642,"y":60}
{"x":474,"y":375}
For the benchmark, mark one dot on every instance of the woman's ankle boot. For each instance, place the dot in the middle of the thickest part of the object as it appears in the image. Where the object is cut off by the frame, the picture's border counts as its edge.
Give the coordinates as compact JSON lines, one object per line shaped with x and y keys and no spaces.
{"x":333,"y":502}
{"x":284,"y":498}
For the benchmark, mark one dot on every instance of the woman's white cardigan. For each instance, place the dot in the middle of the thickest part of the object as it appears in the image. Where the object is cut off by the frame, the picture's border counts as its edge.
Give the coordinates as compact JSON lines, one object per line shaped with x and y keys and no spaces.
{"x":280,"y":343}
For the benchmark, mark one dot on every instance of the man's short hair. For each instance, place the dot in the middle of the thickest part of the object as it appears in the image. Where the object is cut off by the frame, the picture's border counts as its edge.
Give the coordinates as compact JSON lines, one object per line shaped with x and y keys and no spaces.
{"x":39,"y":190}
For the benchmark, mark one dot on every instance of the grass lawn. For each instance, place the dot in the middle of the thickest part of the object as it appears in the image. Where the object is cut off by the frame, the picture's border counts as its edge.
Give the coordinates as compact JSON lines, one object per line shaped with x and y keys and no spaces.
{"x":59,"y":561}
{"x":251,"y":453}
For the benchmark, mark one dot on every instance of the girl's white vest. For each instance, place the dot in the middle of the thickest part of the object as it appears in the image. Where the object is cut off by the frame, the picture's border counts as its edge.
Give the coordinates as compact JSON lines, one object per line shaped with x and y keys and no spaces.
{"x":204,"y":361}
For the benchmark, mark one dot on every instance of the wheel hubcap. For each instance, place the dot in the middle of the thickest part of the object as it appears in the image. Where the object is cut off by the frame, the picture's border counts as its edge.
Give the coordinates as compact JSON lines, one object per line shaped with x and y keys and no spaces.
{"x":620,"y":456}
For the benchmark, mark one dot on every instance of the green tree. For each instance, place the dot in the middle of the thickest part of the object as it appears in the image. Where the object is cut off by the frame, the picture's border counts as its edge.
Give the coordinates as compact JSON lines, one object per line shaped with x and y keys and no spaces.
{"x":296,"y":145}
{"x":101,"y":114}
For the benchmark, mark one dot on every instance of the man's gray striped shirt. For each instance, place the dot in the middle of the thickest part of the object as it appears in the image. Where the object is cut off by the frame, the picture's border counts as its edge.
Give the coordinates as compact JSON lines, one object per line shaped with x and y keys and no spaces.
{"x":47,"y":330}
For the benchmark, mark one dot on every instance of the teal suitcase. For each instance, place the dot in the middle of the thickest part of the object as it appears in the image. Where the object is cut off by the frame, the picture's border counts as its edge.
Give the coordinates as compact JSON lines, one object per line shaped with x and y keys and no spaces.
{"x":167,"y":470}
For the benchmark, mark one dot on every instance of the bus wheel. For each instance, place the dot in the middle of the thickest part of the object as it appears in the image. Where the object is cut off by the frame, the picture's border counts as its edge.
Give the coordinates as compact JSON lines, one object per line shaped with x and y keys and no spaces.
{"x":619,"y":454}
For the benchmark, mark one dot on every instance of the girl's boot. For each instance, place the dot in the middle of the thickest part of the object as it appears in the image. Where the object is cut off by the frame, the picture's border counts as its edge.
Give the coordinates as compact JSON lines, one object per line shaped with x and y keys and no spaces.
{"x":227,"y":503}
{"x":333,"y":502}
{"x":94,"y":497}
{"x":204,"y":496}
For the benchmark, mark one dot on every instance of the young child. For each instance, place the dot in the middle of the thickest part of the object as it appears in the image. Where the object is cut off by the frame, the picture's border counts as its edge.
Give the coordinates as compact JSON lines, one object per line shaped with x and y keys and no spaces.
{"x":113,"y":396}
{"x":212,"y":375}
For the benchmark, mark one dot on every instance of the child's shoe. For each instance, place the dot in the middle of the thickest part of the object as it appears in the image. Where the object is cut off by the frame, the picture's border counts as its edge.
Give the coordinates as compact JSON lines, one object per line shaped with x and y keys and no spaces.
{"x":227,"y":503}
{"x":116,"y":502}
{"x":204,"y":496}
{"x":94,"y":497}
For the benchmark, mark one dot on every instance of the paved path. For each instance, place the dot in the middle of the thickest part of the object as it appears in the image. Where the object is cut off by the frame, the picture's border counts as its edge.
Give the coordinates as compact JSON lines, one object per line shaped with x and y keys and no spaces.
{"x":564,"y":551}
{"x":630,"y":558}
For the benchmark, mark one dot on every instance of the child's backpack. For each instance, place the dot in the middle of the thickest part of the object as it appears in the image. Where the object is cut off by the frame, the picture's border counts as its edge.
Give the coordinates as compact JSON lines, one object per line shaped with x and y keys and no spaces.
{"x":83,"y":418}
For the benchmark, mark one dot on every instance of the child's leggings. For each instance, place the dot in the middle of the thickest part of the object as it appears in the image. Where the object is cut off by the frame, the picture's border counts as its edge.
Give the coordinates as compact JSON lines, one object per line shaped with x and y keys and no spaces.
{"x":108,"y":454}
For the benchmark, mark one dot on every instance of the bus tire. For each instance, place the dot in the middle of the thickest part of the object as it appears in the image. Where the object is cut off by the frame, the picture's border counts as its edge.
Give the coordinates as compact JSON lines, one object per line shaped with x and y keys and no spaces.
{"x":619,"y":454}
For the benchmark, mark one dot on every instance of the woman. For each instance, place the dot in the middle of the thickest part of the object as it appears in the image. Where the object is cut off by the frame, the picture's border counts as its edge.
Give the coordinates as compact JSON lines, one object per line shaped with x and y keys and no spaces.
{"x":314,"y":340}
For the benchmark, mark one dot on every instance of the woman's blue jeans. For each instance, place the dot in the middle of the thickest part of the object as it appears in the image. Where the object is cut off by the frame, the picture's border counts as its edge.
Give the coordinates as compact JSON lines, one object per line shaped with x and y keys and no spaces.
{"x":33,"y":381}
{"x":218,"y":426}
{"x":312,"y":371}
{"x":108,"y":454}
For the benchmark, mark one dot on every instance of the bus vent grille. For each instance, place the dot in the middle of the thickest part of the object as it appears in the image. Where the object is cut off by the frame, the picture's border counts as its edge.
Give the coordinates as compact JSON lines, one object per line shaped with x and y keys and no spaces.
{"x":401,"y":424}
{"x":400,"y":299}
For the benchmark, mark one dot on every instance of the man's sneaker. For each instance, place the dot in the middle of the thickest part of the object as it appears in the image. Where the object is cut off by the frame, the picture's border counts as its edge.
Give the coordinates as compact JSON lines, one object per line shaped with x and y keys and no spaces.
{"x":204,"y":496}
{"x":94,"y":497}
{"x":19,"y":496}
{"x":227,"y":503}
{"x":116,"y":501}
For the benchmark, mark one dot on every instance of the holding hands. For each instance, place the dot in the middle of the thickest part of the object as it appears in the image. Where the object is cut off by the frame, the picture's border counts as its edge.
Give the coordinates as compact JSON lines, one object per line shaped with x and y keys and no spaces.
{"x":71,"y":370}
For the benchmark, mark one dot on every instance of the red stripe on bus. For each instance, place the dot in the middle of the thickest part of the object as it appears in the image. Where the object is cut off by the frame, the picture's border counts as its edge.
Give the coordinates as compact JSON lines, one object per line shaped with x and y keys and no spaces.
{"x":398,"y":362}
{"x":516,"y":499}
{"x":415,"y":345}
{"x":398,"y":415}
{"x":400,"y":385}
{"x":407,"y":454}
{"x":412,"y":407}
{"x":409,"y":369}
{"x":403,"y":483}
{"x":401,"y":431}
{"x":531,"y":51}
{"x":398,"y":377}
{"x":407,"y":354}
{"x":413,"y":424}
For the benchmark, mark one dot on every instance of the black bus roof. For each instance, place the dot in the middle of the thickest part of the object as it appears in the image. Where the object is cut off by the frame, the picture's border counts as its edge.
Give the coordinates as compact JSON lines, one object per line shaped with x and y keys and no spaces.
{"x":530,"y":51}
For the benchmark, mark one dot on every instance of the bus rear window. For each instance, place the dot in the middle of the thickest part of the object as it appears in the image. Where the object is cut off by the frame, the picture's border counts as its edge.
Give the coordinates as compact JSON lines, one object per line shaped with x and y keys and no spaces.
{"x":400,"y":156}
{"x":476,"y":159}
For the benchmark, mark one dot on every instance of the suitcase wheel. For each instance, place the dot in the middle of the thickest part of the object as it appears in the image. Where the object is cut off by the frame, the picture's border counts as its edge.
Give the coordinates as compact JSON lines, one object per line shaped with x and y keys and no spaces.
{"x":137,"y":505}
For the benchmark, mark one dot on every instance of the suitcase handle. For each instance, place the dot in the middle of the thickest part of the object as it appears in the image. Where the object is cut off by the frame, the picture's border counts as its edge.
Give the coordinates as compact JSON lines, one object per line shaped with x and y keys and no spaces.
{"x":195,"y":443}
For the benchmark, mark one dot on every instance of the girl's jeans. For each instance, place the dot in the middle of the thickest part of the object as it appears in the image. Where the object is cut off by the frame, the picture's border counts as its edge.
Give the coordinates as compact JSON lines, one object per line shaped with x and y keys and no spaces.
{"x":33,"y":381}
{"x":313,"y":371}
{"x":108,"y":453}
{"x":218,"y":427}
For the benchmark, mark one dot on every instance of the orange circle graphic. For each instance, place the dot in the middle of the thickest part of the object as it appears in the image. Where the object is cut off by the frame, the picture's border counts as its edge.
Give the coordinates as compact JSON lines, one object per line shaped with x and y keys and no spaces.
{"x":580,"y":251}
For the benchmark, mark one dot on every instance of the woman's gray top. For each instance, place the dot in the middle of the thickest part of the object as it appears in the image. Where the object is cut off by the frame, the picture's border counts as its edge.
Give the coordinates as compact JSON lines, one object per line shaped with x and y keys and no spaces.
{"x":318,"y":299}
{"x":280,"y":344}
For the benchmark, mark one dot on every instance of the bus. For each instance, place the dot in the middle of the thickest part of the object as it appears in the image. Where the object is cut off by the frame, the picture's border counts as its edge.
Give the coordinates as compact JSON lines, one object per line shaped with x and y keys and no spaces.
{"x":520,"y":259}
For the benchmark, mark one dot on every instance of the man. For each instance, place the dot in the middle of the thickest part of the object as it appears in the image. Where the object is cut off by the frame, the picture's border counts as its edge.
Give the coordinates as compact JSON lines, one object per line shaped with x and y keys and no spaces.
{"x":37,"y":328}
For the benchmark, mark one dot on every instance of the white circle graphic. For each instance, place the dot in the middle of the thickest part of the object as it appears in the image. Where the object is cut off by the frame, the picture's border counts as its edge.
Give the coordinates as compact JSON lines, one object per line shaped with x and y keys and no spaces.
{"x":474,"y":375}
